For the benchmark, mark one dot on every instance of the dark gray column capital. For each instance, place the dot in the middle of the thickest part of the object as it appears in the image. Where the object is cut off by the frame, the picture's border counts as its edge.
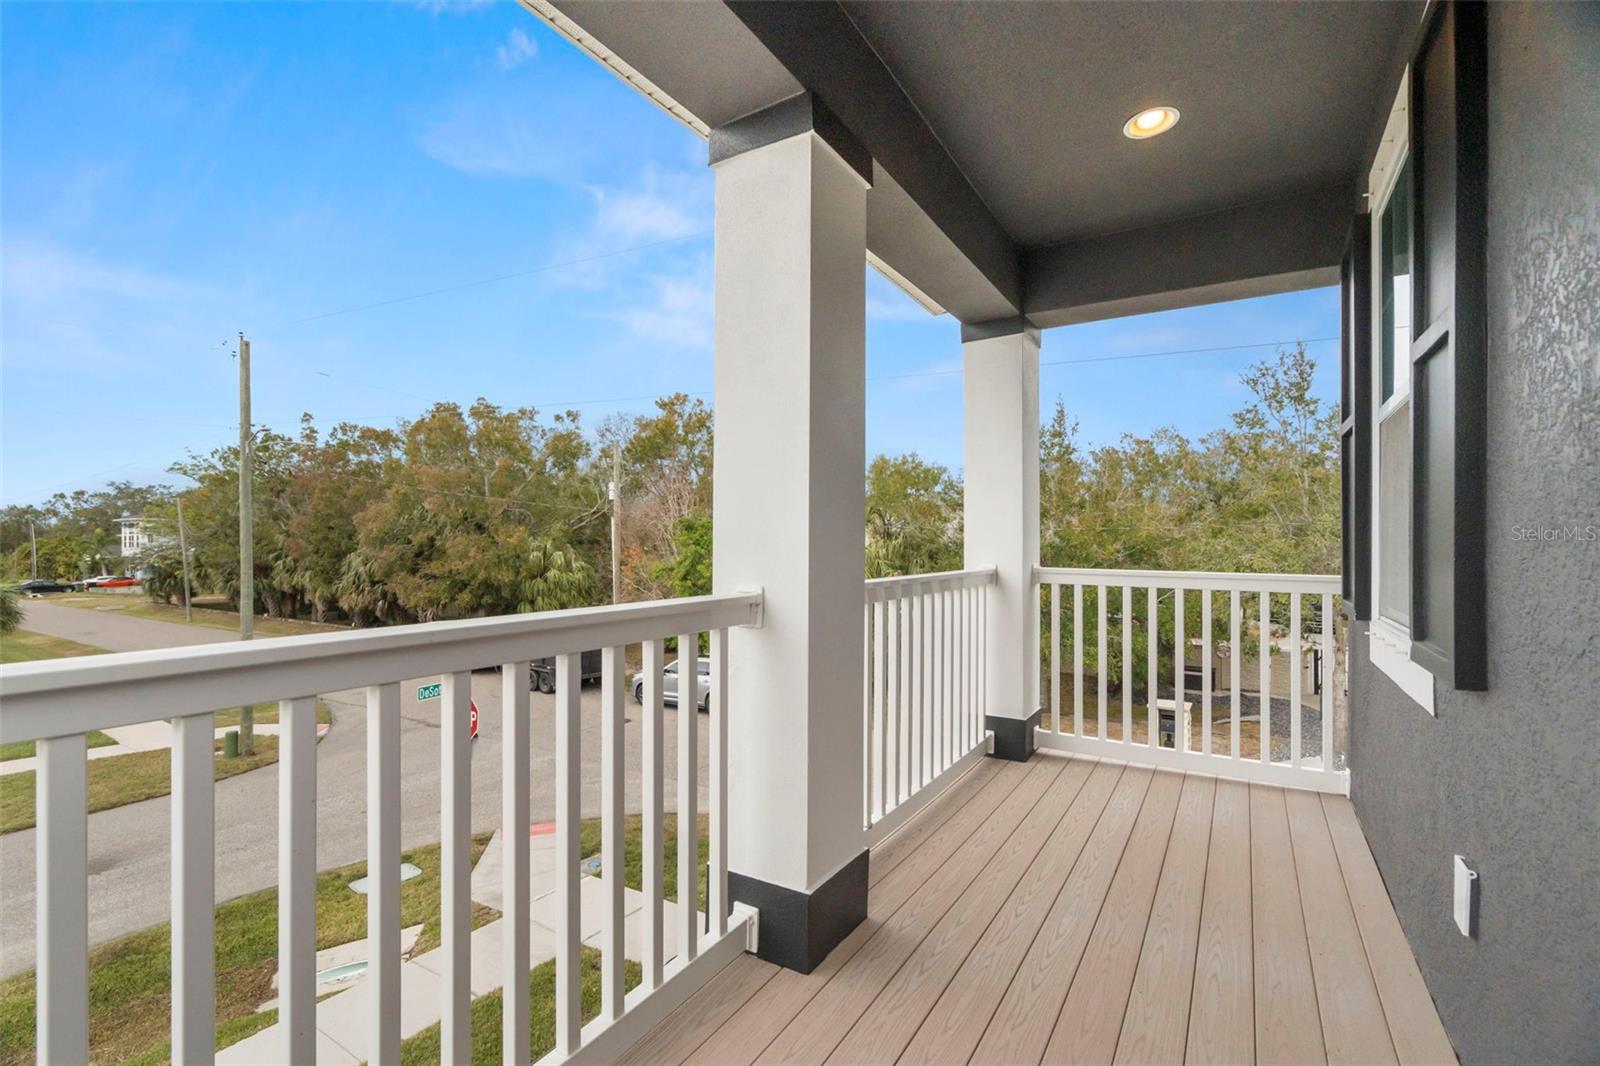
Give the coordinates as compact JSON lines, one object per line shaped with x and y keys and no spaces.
{"x":998,"y":327}
{"x":800,"y":113}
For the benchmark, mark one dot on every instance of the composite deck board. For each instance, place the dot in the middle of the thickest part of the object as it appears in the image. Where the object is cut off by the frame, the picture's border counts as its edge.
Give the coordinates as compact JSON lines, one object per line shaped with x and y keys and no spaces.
{"x":1156,"y":1023}
{"x":1067,"y":909}
{"x":1288,"y":1026}
{"x":686,"y":1028}
{"x":1022,"y":1023}
{"x":1222,"y":999}
{"x":811,"y":1036}
{"x":895,"y":848}
{"x":884,"y":1029}
{"x":1347,"y":999}
{"x":1413,"y":1022}
{"x":756,"y":1024}
{"x":951,"y":1030}
{"x":1091,"y":1018}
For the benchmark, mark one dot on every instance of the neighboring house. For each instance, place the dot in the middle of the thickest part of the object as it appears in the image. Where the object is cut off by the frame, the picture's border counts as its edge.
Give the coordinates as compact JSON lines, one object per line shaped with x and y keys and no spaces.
{"x":134,"y":538}
{"x":919,"y":851}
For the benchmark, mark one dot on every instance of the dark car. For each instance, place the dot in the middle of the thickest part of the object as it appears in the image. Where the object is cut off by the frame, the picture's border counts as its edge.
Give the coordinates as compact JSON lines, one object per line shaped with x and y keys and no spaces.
{"x":542,"y":672}
{"x":39,"y":586}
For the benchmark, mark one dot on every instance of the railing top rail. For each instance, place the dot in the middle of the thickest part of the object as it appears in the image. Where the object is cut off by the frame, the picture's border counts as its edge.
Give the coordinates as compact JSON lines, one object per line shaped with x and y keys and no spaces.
{"x":1192,"y":579}
{"x":59,"y":697}
{"x":888,"y":588}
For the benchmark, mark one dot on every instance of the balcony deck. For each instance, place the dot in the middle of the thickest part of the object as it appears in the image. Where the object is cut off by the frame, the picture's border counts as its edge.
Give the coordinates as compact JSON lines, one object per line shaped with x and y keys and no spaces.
{"x":1065,"y":909}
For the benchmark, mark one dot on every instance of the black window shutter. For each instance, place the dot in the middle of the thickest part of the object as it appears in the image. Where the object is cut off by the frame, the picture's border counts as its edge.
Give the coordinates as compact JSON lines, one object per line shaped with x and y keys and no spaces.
{"x":1355,"y":417}
{"x":1449,"y":347}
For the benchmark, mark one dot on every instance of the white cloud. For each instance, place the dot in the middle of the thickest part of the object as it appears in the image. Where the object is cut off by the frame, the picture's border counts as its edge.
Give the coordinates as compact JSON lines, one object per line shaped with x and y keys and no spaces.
{"x":666,"y":204}
{"x":517,"y":49}
{"x":497,"y":142}
{"x":450,"y":7}
{"x":677,"y":308}
{"x":41,"y":273}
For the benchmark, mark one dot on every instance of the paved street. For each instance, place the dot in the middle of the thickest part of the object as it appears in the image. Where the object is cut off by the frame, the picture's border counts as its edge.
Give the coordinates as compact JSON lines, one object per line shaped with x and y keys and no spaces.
{"x":129,"y":846}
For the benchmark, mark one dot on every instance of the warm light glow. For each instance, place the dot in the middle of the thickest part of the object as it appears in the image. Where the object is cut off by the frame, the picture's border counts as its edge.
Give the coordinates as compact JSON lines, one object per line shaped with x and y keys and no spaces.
{"x":1150,"y":122}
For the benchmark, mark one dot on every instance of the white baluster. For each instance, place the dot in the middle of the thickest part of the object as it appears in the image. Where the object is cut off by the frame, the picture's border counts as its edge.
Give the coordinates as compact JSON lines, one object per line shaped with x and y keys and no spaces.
{"x":194,"y":999}
{"x":880,"y":730}
{"x":515,"y":752}
{"x":1055,"y":656}
{"x":1152,"y":642}
{"x":383,"y":873}
{"x":569,"y":726}
{"x":1235,"y":657}
{"x":688,"y":796}
{"x":297,"y":879}
{"x":1127,"y":664}
{"x":653,"y":762}
{"x":1266,"y":676}
{"x":1295,"y":664}
{"x":455,"y":866}
{"x":1205,"y":670}
{"x":1180,"y":717}
{"x":1100,"y":649}
{"x":613,"y":682}
{"x":1077,"y":659}
{"x":61,"y":900}
{"x":1329,"y":621}
{"x":717,"y":890}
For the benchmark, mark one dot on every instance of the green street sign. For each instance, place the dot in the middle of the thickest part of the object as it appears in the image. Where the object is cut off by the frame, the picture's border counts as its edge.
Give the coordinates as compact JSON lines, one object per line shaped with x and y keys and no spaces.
{"x":429,"y":692}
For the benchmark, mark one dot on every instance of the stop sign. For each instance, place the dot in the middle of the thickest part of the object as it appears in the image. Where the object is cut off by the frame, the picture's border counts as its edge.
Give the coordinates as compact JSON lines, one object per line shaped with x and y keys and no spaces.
{"x":473,"y":729}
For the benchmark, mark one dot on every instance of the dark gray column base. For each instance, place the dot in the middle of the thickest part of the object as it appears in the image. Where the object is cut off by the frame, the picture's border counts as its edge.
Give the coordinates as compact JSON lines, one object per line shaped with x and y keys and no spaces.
{"x":798,"y":929}
{"x":1013,"y":737}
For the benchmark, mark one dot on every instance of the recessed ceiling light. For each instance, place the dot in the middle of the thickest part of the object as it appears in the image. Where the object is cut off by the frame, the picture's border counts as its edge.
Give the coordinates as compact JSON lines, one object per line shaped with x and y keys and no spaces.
{"x":1150,"y":122}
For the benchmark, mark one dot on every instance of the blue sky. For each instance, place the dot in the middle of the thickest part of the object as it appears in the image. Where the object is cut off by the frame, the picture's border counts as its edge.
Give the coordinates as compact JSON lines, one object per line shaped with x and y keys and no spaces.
{"x":171,"y":174}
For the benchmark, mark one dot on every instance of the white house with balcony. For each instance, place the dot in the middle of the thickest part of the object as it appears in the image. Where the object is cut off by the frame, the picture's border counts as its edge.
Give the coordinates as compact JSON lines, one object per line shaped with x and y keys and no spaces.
{"x":132,"y":537}
{"x":923,"y":846}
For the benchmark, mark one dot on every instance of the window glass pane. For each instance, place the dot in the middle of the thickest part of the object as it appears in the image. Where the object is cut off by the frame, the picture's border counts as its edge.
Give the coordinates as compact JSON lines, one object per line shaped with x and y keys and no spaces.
{"x":1394,"y":516}
{"x":1395,"y":287}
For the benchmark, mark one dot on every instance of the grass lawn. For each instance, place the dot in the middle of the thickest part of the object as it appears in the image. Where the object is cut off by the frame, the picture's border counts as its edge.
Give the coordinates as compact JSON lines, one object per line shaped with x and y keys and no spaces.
{"x":122,"y":779}
{"x":633,"y":853}
{"x":23,"y":749}
{"x":129,"y":979}
{"x":24,"y":646}
{"x":140,"y":775}
{"x":140,"y":606}
{"x":423,"y":1049}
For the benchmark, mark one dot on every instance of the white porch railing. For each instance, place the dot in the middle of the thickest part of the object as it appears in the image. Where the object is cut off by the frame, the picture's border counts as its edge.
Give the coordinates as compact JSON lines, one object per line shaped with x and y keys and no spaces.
{"x":922,"y":698}
{"x":1122,"y":618}
{"x":56,"y":703}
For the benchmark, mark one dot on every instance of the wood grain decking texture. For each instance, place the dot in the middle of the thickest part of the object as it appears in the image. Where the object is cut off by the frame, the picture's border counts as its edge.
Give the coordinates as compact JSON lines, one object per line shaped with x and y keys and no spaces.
{"x":1068,"y":910}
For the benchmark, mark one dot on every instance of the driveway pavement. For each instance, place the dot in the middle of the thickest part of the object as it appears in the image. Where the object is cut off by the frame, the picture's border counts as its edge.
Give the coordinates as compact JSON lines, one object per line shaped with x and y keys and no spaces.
{"x":129,"y":854}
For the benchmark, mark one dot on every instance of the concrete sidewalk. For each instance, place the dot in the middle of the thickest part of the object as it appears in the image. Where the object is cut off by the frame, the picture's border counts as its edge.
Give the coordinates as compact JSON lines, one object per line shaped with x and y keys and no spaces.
{"x":146,"y":736}
{"x":343,"y":1025}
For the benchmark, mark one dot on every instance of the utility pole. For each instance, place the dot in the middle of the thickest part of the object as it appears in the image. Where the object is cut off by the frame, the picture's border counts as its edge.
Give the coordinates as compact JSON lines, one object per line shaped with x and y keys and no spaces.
{"x":33,"y":549}
{"x":247,"y":562}
{"x":616,"y":523}
{"x":183,"y":551}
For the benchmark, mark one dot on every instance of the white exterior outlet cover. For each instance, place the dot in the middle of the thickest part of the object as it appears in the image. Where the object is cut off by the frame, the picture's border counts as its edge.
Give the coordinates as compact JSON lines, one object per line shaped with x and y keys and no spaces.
{"x":1466,"y":889}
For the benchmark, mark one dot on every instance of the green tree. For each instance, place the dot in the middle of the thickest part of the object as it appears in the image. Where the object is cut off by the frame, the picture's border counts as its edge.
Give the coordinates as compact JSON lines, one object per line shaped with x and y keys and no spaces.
{"x":914,"y":522}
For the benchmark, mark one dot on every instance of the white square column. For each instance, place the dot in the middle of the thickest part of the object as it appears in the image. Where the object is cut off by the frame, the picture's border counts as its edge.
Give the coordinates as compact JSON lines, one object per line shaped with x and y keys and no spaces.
{"x":789,"y":501}
{"x":1000,"y":480}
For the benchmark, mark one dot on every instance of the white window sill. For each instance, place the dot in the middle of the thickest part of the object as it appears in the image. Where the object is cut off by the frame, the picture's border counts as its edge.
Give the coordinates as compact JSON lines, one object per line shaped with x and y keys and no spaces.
{"x":1389,"y":649}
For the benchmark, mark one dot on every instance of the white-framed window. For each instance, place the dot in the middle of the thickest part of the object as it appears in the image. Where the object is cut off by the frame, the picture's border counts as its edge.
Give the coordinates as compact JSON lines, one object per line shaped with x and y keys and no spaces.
{"x":1389,"y":199}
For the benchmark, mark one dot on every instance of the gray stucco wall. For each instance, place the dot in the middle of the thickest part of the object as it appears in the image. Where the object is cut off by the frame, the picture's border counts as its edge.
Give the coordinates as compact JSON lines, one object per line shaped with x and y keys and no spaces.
{"x":1510,"y":778}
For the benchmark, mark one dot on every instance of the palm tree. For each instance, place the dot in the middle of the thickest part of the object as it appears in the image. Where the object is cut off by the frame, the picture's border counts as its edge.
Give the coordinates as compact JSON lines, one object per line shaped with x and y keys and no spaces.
{"x":10,"y":610}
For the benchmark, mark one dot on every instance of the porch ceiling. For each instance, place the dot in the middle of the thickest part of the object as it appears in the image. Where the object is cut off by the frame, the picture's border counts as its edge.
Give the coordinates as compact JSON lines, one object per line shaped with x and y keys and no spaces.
{"x":1002,"y":123}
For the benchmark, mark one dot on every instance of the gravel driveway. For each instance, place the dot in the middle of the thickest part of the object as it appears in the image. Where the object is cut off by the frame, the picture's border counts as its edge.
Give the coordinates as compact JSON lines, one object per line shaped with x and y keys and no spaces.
{"x":129,"y":846}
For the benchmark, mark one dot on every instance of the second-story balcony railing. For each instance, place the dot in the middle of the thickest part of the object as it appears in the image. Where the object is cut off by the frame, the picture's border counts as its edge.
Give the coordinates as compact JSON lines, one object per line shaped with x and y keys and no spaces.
{"x":56,"y":703}
{"x":1222,"y":673}
{"x":922,"y":698}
